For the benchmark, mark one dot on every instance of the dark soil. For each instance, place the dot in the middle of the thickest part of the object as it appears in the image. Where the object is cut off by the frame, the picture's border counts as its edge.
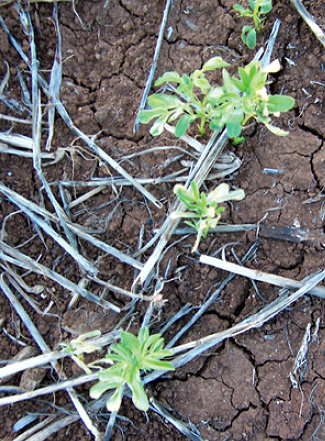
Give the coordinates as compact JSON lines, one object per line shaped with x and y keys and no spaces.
{"x":239,"y":390}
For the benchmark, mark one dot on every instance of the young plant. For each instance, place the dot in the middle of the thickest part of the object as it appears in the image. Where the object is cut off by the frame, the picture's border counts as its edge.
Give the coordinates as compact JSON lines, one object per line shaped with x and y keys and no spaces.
{"x":80,"y":346}
{"x":256,"y":10}
{"x":230,"y":105}
{"x":203,"y":210}
{"x":132,"y":355}
{"x":188,"y":105}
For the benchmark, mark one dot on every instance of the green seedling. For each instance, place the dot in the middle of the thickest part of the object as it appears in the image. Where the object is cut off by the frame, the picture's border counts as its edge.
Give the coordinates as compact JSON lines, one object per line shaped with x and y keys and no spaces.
{"x":230,"y":105}
{"x":133,"y":355}
{"x":257,"y":9}
{"x":204,"y":211}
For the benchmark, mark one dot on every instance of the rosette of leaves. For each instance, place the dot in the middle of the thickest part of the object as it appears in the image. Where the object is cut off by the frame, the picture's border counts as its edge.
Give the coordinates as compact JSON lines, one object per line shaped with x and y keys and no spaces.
{"x":190,"y":101}
{"x":133,"y":355}
{"x":203,"y":210}
{"x":257,"y":9}
{"x":230,"y":105}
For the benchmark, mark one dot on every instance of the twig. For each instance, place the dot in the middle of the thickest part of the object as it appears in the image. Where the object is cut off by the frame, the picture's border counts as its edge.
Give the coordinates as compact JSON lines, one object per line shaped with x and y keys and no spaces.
{"x":211,"y":300}
{"x":62,"y":385}
{"x":52,"y":428}
{"x":26,"y":204}
{"x":283,"y":282}
{"x":14,"y":257}
{"x":44,"y":348}
{"x":309,"y":20}
{"x":68,"y":121}
{"x":182,"y":427}
{"x":41,"y":360}
{"x":199,"y":174}
{"x":154,"y":63}
{"x":55,"y":80}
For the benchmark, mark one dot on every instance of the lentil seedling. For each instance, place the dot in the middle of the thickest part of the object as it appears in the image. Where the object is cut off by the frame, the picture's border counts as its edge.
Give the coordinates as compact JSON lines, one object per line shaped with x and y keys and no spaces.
{"x":144,"y":352}
{"x":256,"y":10}
{"x":203,"y":210}
{"x":230,"y":105}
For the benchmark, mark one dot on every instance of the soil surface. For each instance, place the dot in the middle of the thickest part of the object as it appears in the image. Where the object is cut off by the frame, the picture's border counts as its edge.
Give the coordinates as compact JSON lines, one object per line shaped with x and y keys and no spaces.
{"x":240,"y":389}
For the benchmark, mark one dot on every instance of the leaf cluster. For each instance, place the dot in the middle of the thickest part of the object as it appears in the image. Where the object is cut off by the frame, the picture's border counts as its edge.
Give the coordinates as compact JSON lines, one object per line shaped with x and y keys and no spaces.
{"x":230,"y":105}
{"x":204,"y":211}
{"x":257,"y":9}
{"x":133,"y":355}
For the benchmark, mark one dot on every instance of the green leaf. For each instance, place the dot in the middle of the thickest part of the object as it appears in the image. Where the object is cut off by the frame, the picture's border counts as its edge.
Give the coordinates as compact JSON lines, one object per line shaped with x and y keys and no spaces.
{"x":139,"y":396}
{"x":240,"y":86}
{"x":214,"y":63}
{"x":130,"y":343}
{"x":201,"y":83}
{"x":233,"y":129}
{"x":145,"y":116}
{"x":152,"y":364}
{"x":195,"y":190}
{"x":244,"y":77}
{"x":151,"y":342}
{"x":228,"y":85}
{"x":233,"y":124}
{"x":98,"y":389}
{"x":252,"y":4}
{"x":143,"y":335}
{"x":239,"y":8}
{"x":214,"y":95}
{"x":266,"y":6}
{"x":250,"y":39}
{"x":216,"y":123}
{"x":183,"y":124}
{"x":164,"y":101}
{"x":280,"y":103}
{"x":168,"y":77}
{"x":122,"y":351}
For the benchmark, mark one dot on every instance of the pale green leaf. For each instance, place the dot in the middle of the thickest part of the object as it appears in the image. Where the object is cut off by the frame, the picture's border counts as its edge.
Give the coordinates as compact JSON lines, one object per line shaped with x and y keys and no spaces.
{"x":113,"y":404}
{"x":163,"y":101}
{"x":101,"y":387}
{"x":168,"y":77}
{"x":276,"y":130}
{"x":145,"y":116}
{"x":214,"y":63}
{"x":158,"y":126}
{"x":153,"y":364}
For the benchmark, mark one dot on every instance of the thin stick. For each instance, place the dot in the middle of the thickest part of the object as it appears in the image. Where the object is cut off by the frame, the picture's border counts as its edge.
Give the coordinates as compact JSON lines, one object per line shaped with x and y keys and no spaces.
{"x":182,"y":427}
{"x":44,"y":348}
{"x":309,"y":19}
{"x":14,"y":257}
{"x":41,"y":360}
{"x":199,"y":174}
{"x":55,"y":80}
{"x":62,"y":385}
{"x":50,"y":429}
{"x":254,"y":321}
{"x":283,"y":282}
{"x":154,"y":64}
{"x":35,"y":428}
{"x":211,"y":300}
{"x":26,"y":204}
{"x":68,"y":121}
